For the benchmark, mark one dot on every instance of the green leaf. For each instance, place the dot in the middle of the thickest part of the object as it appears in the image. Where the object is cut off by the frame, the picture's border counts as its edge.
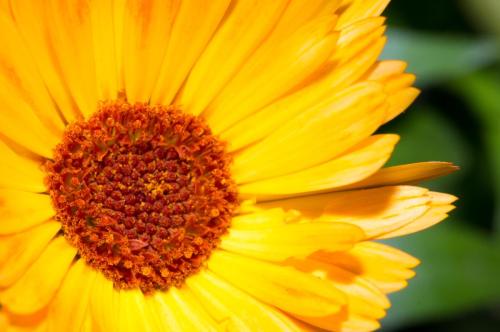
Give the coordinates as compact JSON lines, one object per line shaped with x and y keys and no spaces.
{"x":481,"y":92}
{"x":486,"y":14}
{"x":436,"y":58}
{"x":459,"y":272}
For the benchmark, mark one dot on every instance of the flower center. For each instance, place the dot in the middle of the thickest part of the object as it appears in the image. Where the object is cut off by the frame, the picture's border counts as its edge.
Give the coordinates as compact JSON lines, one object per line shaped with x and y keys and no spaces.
{"x":144,"y":192}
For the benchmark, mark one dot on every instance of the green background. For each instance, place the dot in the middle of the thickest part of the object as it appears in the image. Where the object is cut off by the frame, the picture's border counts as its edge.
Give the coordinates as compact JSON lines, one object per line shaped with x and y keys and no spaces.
{"x":453,"y":48}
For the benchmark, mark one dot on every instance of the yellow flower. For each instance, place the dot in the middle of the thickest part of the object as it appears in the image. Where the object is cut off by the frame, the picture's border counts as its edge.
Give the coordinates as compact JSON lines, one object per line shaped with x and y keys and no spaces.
{"x":200,"y":165}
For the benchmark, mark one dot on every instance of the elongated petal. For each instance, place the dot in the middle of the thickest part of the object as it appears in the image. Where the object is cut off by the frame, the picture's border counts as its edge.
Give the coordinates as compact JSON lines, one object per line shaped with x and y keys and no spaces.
{"x":181,"y":307}
{"x":364,"y":160}
{"x":103,"y":18}
{"x":30,"y":17}
{"x":315,"y":136}
{"x":19,"y":251}
{"x":342,"y":69}
{"x":386,"y":267}
{"x":40,"y":283}
{"x":104,"y":304}
{"x":20,"y":210}
{"x":376,"y":211}
{"x":259,"y":219}
{"x":133,"y":314}
{"x":221,"y":60}
{"x":262,"y":80}
{"x":69,"y":28}
{"x":404,"y":174}
{"x":440,"y":205}
{"x":361,"y":9}
{"x":283,"y":287}
{"x":292,"y":240}
{"x":146,"y":31}
{"x":227,"y":303}
{"x":196,"y":22}
{"x":69,"y":309}
{"x":22,"y":84}
{"x":19,"y":172}
{"x":365,"y":302}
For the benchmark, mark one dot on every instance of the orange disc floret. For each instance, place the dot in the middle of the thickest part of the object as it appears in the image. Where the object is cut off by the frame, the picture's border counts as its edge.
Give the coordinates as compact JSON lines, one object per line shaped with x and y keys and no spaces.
{"x":144,"y":192}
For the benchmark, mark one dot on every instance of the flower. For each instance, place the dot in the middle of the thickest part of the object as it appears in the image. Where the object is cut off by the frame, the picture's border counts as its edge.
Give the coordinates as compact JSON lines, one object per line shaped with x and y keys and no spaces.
{"x":202,"y":165}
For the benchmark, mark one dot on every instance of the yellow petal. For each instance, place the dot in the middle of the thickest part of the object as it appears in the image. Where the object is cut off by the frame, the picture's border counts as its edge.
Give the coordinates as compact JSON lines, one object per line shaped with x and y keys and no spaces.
{"x":194,"y":25}
{"x":340,"y":75}
{"x":284,"y":287}
{"x":386,"y":267}
{"x":440,"y":205}
{"x":181,"y":306}
{"x":102,"y":20}
{"x":361,"y":9}
{"x":21,"y":80}
{"x":291,"y":240}
{"x":22,"y":323}
{"x":19,"y":172}
{"x":404,"y":174}
{"x":315,"y":136}
{"x":4,"y":320}
{"x":19,"y":251}
{"x":377,"y":211}
{"x":363,"y":298}
{"x":399,"y":101}
{"x":120,"y":310}
{"x":259,"y":219}
{"x":358,"y":38}
{"x":69,"y":28}
{"x":69,"y":309}
{"x":384,"y":70}
{"x":132,"y":312}
{"x":262,"y":79}
{"x":30,"y":18}
{"x":20,"y":210}
{"x":397,"y":84}
{"x":227,"y":303}
{"x":166,"y":315}
{"x":146,"y":30}
{"x":20,"y":121}
{"x":235,"y":40}
{"x":104,"y":305}
{"x":38,"y":285}
{"x":365,"y":302}
{"x":362,"y":161}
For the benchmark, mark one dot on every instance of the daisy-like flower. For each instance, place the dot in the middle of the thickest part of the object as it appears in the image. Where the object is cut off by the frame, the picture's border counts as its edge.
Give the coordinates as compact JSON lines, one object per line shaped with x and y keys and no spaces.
{"x":195,"y":165}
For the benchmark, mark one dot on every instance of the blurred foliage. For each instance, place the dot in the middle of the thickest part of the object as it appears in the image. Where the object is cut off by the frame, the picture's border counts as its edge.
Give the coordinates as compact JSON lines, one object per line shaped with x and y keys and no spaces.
{"x":453,"y":48}
{"x":459,"y":272}
{"x":437,"y":58}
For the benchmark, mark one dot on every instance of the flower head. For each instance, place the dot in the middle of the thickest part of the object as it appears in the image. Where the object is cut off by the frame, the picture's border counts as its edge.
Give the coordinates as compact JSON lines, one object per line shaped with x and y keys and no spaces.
{"x":202,"y":165}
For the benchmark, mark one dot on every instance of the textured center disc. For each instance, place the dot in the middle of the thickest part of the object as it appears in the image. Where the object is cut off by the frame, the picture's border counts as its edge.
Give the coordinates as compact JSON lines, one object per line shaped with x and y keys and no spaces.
{"x":144,"y":192}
